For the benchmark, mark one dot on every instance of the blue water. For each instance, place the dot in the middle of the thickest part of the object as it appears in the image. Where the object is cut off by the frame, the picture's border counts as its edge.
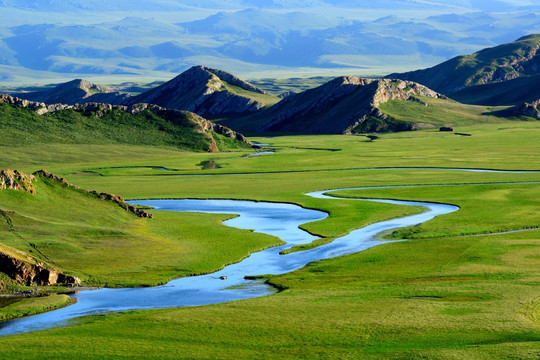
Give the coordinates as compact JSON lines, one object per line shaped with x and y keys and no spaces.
{"x":280,"y":220}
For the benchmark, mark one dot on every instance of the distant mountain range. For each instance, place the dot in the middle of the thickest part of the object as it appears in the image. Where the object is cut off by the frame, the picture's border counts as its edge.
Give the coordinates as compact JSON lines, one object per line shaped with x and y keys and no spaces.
{"x":503,"y":75}
{"x":66,"y":39}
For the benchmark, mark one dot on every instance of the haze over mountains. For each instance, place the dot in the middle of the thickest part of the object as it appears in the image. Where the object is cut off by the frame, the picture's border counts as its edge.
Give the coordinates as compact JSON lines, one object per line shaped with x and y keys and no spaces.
{"x":60,"y":39}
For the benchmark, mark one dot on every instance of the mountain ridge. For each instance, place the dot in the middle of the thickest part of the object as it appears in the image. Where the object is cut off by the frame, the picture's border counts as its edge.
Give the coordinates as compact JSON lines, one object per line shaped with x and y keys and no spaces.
{"x":75,"y":92}
{"x":345,"y":105}
{"x":482,"y":70}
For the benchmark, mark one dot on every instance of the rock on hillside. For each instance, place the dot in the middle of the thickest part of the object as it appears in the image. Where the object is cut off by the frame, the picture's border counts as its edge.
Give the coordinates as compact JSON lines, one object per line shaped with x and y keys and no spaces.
{"x":344,"y":105}
{"x":492,"y":65}
{"x":528,"y":109}
{"x":203,"y":91}
{"x":75,"y":92}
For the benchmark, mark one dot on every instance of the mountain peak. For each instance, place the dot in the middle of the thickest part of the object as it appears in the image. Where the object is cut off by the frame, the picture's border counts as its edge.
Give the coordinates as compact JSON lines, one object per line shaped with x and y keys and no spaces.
{"x":73,"y":92}
{"x":206,"y":91}
{"x":346,"y":104}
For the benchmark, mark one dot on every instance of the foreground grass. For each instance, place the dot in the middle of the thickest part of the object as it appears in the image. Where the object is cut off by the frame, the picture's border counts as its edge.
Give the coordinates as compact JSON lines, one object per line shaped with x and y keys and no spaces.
{"x":102,"y":244}
{"x":31,"y":306}
{"x":433,"y":297}
{"x":466,"y":298}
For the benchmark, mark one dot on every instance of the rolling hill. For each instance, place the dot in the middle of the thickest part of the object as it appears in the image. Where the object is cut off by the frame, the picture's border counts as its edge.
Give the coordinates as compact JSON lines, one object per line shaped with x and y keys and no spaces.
{"x":24,"y":122}
{"x":501,"y":75}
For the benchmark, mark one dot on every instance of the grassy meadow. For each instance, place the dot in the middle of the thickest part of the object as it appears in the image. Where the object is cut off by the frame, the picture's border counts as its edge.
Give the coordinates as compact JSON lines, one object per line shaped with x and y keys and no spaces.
{"x":445,"y":294}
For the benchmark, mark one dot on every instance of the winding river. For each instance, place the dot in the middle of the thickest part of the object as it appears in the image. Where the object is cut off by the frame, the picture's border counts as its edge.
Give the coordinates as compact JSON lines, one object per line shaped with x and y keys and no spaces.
{"x":228,"y":284}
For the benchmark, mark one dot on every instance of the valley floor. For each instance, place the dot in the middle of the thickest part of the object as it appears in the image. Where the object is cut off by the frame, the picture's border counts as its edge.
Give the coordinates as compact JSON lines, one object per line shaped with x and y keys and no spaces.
{"x":454,"y":291}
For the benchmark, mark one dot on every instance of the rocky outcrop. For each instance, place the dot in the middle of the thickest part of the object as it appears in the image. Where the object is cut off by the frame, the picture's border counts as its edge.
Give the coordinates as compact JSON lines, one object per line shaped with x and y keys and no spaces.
{"x":342,"y":105}
{"x":100,"y":109}
{"x":203,"y":91}
{"x":528,"y":109}
{"x":30,"y":273}
{"x":15,"y":180}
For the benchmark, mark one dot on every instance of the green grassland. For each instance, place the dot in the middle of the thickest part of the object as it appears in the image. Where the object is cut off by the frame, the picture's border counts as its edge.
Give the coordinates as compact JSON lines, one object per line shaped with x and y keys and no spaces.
{"x":266,"y":99}
{"x":23,"y":126}
{"x":103,"y":244}
{"x":443,"y":295}
{"x":31,"y":306}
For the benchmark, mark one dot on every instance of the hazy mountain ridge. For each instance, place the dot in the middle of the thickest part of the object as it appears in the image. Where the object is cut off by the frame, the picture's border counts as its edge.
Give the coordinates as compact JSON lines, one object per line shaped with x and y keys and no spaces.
{"x":242,"y":36}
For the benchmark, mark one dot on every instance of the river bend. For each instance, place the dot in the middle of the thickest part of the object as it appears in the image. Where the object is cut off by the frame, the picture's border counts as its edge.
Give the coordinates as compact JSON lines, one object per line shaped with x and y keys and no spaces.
{"x":277,"y":219}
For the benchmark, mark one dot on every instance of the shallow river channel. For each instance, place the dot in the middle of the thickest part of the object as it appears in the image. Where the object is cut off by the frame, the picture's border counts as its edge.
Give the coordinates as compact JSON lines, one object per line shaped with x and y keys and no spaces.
{"x":281,"y":220}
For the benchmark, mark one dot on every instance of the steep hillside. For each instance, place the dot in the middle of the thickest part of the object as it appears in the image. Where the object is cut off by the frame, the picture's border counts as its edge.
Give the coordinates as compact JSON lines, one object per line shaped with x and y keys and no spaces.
{"x":207,"y":92}
{"x":344,"y":105}
{"x":496,"y":65}
{"x":26,"y":122}
{"x":508,"y":92}
{"x":77,"y":91}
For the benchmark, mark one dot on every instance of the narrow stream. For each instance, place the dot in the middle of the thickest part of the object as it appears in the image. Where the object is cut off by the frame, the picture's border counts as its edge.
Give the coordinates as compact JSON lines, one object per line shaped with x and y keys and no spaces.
{"x":281,"y":220}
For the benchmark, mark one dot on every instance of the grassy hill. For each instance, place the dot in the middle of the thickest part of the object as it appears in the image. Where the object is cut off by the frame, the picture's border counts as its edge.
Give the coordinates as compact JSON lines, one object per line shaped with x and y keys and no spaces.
{"x":90,"y":237}
{"x":510,"y":92}
{"x":100,"y":124}
{"x":492,"y":65}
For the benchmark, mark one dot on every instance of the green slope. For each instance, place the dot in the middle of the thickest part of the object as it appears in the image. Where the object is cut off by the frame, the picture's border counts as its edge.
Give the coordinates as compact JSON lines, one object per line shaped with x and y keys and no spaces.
{"x":101,"y":243}
{"x":490,"y":65}
{"x":184,"y":130}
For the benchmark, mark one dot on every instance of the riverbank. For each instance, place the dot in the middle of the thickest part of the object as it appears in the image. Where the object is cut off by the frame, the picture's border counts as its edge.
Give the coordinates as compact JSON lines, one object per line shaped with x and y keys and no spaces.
{"x":453,"y":297}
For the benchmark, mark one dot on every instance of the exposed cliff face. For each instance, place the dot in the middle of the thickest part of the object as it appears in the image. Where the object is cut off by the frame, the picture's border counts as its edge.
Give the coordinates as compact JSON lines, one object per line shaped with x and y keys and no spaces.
{"x":77,"y":91}
{"x":340,"y":105}
{"x":31,"y":273}
{"x":203,"y":91}
{"x":200,"y":124}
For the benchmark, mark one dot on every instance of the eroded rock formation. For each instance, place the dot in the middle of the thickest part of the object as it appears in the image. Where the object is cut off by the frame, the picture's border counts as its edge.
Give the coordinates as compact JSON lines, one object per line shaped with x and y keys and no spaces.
{"x":30,"y":273}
